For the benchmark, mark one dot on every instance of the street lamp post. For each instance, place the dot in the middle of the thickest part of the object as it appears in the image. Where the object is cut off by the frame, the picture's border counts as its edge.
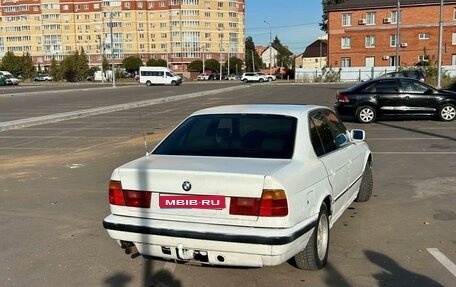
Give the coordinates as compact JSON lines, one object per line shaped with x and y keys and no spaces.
{"x":101,"y":58}
{"x":270,"y":47}
{"x":221,"y":48}
{"x":112,"y":52}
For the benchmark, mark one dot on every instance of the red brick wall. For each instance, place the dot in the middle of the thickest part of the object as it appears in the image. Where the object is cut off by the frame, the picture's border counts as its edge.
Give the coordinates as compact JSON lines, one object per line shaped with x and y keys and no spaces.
{"x":415,"y":20}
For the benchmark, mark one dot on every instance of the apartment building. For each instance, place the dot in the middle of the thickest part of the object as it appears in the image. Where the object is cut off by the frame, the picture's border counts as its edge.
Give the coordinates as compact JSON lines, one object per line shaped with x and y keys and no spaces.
{"x":178,"y":31}
{"x":372,"y":33}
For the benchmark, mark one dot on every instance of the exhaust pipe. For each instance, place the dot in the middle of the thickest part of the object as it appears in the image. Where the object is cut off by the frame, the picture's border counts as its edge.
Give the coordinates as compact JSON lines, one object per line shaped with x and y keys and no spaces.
{"x":130,"y":247}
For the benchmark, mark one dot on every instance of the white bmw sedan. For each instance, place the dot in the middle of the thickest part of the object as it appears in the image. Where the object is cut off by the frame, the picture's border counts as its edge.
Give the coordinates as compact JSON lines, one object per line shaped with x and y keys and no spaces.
{"x":242,"y":185}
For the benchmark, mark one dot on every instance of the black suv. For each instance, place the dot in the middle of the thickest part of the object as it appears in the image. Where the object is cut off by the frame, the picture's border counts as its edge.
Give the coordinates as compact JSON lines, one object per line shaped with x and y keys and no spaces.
{"x":414,"y":74}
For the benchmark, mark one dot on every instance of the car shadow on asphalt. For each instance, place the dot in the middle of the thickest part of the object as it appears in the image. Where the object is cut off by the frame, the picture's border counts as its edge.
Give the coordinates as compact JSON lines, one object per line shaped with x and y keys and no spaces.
{"x":418,"y":131}
{"x":394,"y":275}
{"x":162,"y":278}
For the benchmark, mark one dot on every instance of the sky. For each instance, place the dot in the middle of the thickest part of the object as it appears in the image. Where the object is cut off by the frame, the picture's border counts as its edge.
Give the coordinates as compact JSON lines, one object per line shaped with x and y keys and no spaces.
{"x":294,"y":22}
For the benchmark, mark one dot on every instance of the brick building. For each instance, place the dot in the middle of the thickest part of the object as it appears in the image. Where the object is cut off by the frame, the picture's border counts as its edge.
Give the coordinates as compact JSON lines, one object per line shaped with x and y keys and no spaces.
{"x":179,"y":31}
{"x":365,"y":33}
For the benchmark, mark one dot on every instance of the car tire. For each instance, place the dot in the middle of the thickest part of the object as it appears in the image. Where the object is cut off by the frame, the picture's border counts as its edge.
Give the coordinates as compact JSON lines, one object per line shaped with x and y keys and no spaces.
{"x":148,"y":83}
{"x":315,"y":255}
{"x":269,"y":79}
{"x":245,"y":80}
{"x":261,"y":80}
{"x":367,"y":185}
{"x":366,"y":114}
{"x":447,"y":112}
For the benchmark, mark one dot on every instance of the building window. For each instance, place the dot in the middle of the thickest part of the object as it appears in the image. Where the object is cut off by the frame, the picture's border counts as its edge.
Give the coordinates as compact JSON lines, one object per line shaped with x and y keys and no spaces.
{"x":370,"y":41}
{"x":345,"y":43}
{"x":370,"y":18}
{"x":393,"y":40}
{"x":453,"y":39}
{"x":454,"y":14}
{"x":345,"y":62}
{"x":423,"y":36}
{"x":346,"y":19}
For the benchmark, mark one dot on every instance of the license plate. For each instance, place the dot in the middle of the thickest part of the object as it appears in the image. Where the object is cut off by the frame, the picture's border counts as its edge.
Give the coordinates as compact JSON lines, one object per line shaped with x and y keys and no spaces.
{"x":192,"y":201}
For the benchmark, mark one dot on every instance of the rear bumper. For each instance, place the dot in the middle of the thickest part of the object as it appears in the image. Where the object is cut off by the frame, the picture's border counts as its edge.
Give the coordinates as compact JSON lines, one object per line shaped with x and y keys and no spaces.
{"x":237,"y":245}
{"x":345,"y":109}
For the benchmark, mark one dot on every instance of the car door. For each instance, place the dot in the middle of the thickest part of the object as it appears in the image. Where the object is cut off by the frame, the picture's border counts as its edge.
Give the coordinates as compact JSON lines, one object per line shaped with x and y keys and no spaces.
{"x":356,"y":161}
{"x":417,"y":98}
{"x":388,"y":95}
{"x":333,"y":158}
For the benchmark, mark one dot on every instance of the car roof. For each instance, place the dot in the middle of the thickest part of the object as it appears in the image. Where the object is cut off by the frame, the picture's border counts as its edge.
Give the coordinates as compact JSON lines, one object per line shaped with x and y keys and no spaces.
{"x":294,"y":110}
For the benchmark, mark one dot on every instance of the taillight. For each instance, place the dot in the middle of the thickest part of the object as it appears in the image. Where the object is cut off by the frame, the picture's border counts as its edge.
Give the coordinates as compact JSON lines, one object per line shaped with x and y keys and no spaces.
{"x":273,"y":202}
{"x":342,"y":98}
{"x":116,"y":193}
{"x":135,"y":198}
{"x":132,"y":198}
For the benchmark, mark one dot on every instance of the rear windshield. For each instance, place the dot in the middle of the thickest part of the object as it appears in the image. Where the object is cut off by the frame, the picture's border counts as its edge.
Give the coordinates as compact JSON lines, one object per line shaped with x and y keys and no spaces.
{"x":233,"y":135}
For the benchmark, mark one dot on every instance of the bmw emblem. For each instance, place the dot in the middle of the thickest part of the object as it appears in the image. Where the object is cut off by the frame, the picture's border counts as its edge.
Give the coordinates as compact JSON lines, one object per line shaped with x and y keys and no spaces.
{"x":186,"y":185}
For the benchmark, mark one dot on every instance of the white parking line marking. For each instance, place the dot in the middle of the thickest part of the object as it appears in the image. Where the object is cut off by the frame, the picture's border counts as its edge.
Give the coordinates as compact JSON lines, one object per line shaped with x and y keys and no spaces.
{"x":443,"y":260}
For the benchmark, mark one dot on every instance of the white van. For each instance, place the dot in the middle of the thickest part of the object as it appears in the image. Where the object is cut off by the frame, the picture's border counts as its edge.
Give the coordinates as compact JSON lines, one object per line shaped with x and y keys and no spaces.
{"x":158,"y":76}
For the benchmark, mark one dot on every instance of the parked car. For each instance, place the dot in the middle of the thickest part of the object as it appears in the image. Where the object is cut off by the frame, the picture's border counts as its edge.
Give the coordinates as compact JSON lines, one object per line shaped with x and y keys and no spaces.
{"x":395,"y":96}
{"x":233,"y":77}
{"x":243,"y":185}
{"x":11,"y":80}
{"x":42,"y":77}
{"x":269,"y":77}
{"x":414,"y":74}
{"x":253,"y":77}
{"x":203,"y":77}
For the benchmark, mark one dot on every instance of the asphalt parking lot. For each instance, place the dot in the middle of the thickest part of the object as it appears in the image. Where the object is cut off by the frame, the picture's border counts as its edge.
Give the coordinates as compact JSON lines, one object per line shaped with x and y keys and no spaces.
{"x":54,"y":177}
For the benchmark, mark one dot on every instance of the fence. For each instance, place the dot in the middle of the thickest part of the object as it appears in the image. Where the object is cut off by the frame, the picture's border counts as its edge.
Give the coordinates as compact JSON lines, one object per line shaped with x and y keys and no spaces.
{"x":349,"y":74}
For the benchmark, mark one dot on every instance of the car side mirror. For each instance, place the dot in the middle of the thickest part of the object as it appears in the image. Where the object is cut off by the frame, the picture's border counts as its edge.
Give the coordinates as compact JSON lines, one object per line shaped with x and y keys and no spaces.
{"x":357,"y":135}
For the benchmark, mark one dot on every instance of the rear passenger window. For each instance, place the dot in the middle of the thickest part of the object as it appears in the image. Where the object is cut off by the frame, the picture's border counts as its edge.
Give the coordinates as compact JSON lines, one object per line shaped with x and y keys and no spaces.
{"x":321,"y":130}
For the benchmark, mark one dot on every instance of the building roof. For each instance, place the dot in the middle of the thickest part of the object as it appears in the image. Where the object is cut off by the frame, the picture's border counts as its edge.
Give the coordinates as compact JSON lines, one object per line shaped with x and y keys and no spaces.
{"x":374,"y":4}
{"x":313,"y":50}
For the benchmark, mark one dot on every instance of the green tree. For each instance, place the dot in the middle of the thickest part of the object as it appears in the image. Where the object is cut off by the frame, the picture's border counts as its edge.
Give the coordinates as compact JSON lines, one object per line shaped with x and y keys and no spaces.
{"x":28,"y":70}
{"x":132,"y":64}
{"x":151,"y":63}
{"x":156,"y":63}
{"x":212,"y":65}
{"x":105,"y":63}
{"x":162,"y":63}
{"x":284,"y":56}
{"x":195,"y":66}
{"x":68,"y":68}
{"x":324,"y":17}
{"x":82,"y":65}
{"x":235,"y":65}
{"x":54,"y":70}
{"x":253,"y":61}
{"x":12,"y":63}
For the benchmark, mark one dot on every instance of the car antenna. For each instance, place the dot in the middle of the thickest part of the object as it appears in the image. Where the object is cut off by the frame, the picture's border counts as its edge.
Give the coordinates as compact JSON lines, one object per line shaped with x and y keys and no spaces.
{"x":143,"y":133}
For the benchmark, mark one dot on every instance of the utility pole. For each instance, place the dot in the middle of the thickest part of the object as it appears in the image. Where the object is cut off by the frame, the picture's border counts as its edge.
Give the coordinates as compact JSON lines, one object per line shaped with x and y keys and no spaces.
{"x":439,"y":69}
{"x":270,"y":47}
{"x":112,"y":52}
{"x":398,"y":18}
